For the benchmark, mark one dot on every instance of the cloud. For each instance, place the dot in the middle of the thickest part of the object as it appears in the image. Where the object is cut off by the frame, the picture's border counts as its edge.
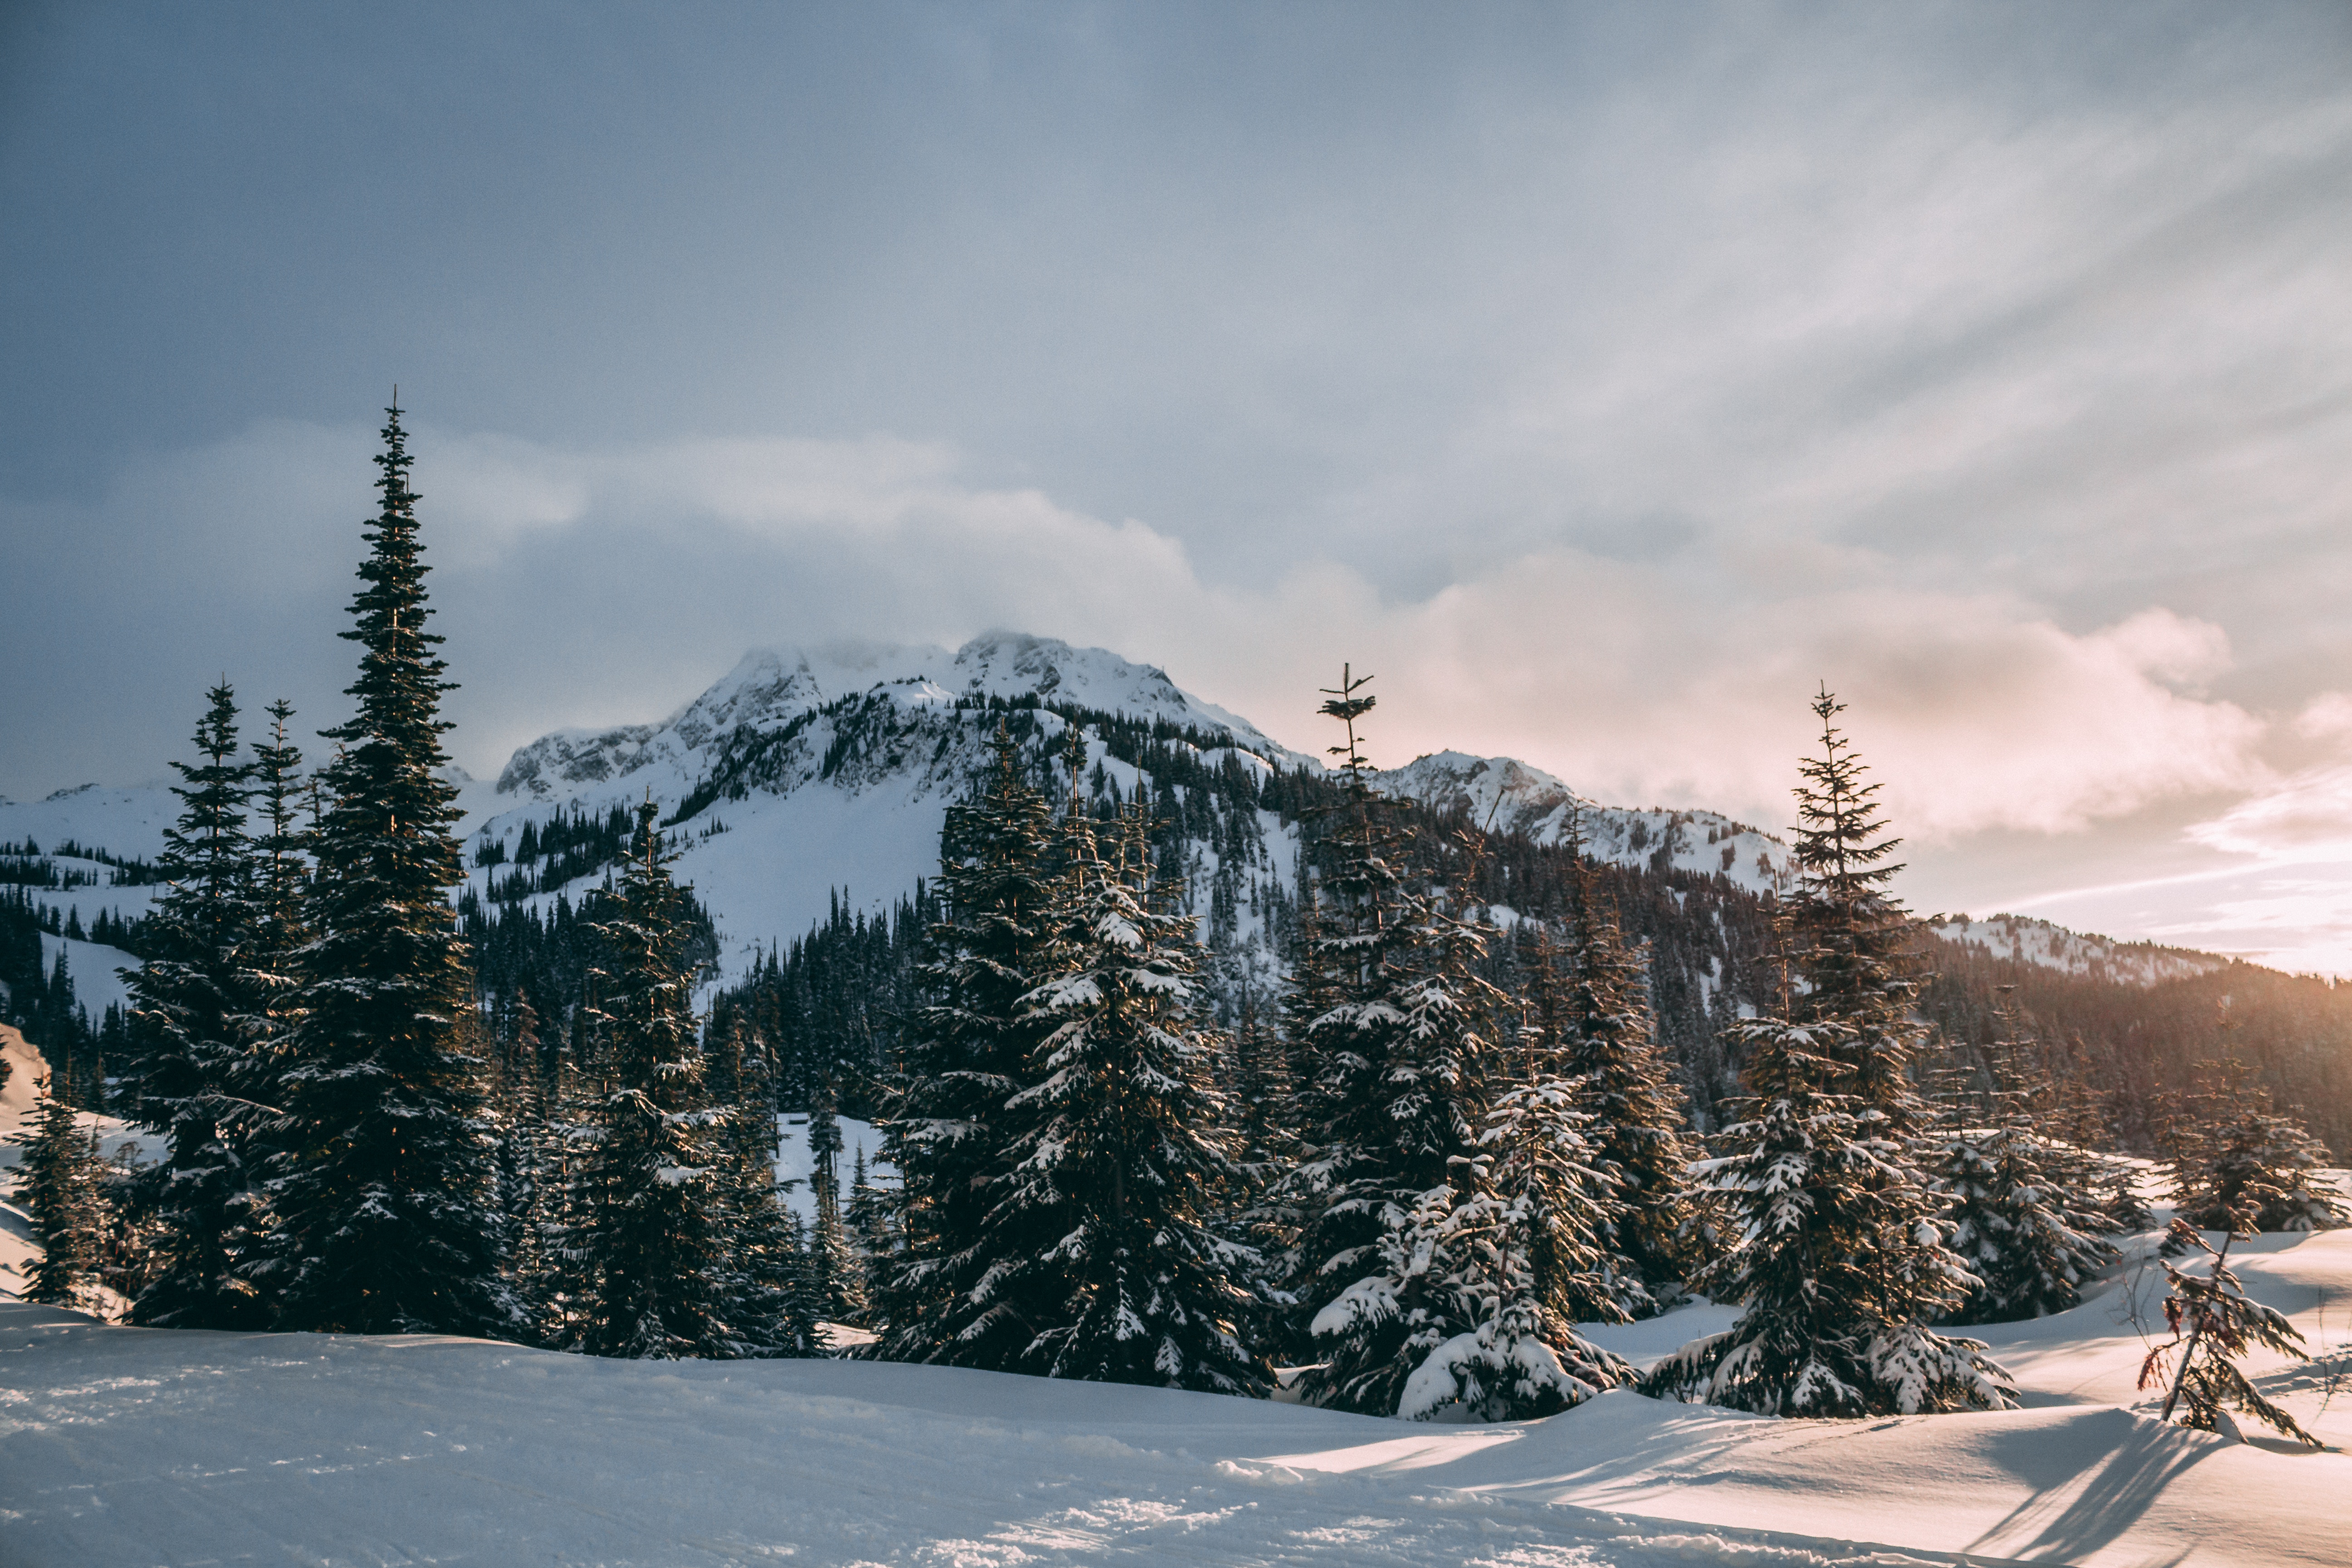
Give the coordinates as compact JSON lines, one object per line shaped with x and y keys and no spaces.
{"x":1655,"y":677}
{"x":2305,"y":817}
{"x":591,"y":587}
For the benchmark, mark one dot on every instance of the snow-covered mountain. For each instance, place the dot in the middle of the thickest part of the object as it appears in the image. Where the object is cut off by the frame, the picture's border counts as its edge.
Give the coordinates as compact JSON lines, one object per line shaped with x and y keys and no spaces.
{"x":808,"y":775}
{"x":1511,"y":796}
{"x":804,"y":774}
{"x":2030,"y":940}
{"x":770,"y":690}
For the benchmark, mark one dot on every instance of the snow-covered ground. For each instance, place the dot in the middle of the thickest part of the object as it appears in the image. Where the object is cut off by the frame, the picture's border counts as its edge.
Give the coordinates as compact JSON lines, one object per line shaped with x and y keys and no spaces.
{"x":138,"y":1445}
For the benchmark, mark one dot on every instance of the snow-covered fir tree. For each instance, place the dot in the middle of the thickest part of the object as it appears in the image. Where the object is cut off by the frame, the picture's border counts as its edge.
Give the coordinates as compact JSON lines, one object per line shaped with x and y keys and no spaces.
{"x":2015,"y":1214}
{"x":1838,"y":1261}
{"x":383,"y":1195}
{"x":871,"y":1229}
{"x":549,"y":1266}
{"x":196,"y":1045}
{"x":2213,"y":1323}
{"x":57,"y":1184}
{"x":1392,"y":1115}
{"x":1524,"y":1222}
{"x":949,"y":1133}
{"x":282,"y":883}
{"x":837,"y":1273}
{"x":776,"y":1306}
{"x":2233,"y":1161}
{"x":1639,"y":1121}
{"x":650,"y":1203}
{"x":1130,"y":1148}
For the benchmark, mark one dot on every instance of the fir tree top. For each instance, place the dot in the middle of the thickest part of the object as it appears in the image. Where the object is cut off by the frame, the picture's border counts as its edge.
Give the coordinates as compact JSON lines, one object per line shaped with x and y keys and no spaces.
{"x":395,"y":738}
{"x":1851,"y":936}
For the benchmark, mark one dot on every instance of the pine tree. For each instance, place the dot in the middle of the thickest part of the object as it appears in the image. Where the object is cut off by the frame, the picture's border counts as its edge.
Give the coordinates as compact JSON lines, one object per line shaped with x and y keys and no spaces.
{"x":1393,"y":1115}
{"x":1544,"y":1139}
{"x":1525,"y":1221}
{"x":57,"y":1182}
{"x":1130,"y":1149}
{"x":1637,"y":1109}
{"x":835,"y":1274}
{"x":949,"y":1133}
{"x":1838,"y":1261}
{"x":2233,"y":1161}
{"x":278,"y":932}
{"x":2213,"y":1322}
{"x":2015,"y":1216}
{"x":195,"y":1005}
{"x":869,"y":1213}
{"x":776,"y":1307}
{"x":652,"y":1213}
{"x":384,"y":1194}
{"x":550,"y":1265}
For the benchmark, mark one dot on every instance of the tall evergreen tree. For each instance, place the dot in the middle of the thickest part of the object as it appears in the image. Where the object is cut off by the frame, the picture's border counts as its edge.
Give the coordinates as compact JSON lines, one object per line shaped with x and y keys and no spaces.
{"x":1637,"y":1109}
{"x":836,"y":1275}
{"x":776,"y":1307}
{"x":1524,"y":1222}
{"x":384,"y":1194}
{"x":1130,"y":1149}
{"x":57,"y":1182}
{"x":549,"y":1264}
{"x":1392,"y":1113}
{"x":871,"y":1224}
{"x":195,"y":1006}
{"x":278,"y":932}
{"x":948,"y":1132}
{"x":1839,"y":1262}
{"x":652,"y":1207}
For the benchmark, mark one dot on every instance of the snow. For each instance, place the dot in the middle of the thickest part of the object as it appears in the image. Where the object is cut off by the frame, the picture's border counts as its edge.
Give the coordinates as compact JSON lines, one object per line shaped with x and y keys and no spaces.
{"x":794,"y":1163}
{"x":120,"y":1444}
{"x":94,"y":968}
{"x":126,"y":822}
{"x":2030,"y":940}
{"x":1511,"y":796}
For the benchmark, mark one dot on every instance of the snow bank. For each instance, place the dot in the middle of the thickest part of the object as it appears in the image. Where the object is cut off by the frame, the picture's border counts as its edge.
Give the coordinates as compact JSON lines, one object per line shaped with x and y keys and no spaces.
{"x":121,"y":1445}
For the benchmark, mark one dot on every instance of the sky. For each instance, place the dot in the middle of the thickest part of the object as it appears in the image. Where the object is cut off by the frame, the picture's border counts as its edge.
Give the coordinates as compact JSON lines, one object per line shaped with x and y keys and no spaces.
{"x":1606,"y":379}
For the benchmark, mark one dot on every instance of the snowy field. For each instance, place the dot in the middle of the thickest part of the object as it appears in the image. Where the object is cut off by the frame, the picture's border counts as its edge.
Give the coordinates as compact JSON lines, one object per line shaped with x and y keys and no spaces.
{"x":126,"y":1446}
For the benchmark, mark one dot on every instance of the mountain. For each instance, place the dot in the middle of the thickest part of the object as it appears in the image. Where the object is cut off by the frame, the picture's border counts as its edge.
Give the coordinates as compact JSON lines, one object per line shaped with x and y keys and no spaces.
{"x":1506,"y":795}
{"x":770,"y":690}
{"x":832,"y":768}
{"x":806,"y":777}
{"x":2025,"y":939}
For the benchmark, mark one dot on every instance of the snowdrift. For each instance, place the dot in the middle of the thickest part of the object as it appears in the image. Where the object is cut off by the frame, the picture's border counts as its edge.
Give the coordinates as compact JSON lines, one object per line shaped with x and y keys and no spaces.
{"x":135,"y":1446}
